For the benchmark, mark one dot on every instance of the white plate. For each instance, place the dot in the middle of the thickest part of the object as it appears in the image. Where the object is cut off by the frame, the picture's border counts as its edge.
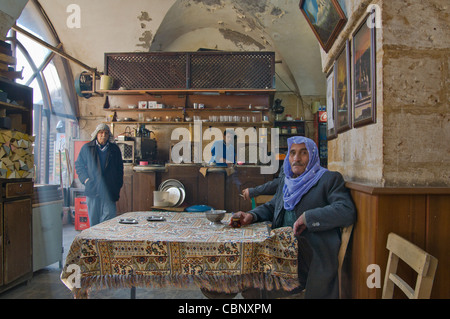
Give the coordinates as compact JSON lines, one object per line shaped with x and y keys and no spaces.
{"x":171,"y":182}
{"x":174,"y":195}
{"x":183,"y":195}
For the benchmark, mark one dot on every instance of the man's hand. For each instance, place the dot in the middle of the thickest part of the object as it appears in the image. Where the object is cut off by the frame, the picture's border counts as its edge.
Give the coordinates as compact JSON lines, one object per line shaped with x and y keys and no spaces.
{"x":299,"y":225}
{"x":246,"y":194}
{"x":245,"y":218}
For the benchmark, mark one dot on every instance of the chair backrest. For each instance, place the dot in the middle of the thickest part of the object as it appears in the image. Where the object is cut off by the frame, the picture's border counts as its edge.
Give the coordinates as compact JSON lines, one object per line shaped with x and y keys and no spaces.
{"x":261,"y":199}
{"x":423,"y":264}
{"x":346,"y":232}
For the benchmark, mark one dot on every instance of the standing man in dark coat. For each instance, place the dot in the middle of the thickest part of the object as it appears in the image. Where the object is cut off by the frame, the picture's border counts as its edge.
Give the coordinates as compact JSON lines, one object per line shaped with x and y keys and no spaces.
{"x":100,"y":168}
{"x":316,"y":203}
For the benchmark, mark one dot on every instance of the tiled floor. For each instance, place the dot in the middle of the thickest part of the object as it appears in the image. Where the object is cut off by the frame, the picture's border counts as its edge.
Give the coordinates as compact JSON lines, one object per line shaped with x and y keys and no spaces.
{"x":46,"y":284}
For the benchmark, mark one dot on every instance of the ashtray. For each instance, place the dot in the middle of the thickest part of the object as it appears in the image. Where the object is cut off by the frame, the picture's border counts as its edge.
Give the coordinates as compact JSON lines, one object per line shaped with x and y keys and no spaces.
{"x":128,"y":221}
{"x":156,"y":219}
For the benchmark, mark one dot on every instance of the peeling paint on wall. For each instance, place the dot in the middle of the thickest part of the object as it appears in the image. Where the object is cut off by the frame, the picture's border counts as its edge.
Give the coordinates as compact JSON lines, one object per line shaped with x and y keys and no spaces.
{"x":146,"y":40}
{"x":144,"y":16}
{"x":239,"y":38}
{"x":209,"y":2}
{"x":147,"y":36}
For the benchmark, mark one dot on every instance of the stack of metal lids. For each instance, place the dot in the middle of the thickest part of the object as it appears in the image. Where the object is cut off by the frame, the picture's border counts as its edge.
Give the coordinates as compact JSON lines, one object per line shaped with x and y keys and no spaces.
{"x":176,"y":192}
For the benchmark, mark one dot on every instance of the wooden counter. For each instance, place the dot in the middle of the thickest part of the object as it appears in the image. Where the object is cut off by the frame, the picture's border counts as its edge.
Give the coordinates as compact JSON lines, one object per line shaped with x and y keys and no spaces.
{"x":419,"y":214}
{"x":218,"y":187}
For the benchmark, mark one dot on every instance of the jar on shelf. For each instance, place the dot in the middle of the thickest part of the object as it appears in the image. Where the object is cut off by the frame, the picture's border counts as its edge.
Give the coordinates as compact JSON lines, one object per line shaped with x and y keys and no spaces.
{"x":294,"y":130}
{"x":284,"y":130}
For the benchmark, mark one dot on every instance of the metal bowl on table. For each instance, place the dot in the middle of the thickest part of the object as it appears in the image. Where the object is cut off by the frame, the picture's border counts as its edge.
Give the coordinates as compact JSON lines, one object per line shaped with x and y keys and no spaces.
{"x":215,"y":216}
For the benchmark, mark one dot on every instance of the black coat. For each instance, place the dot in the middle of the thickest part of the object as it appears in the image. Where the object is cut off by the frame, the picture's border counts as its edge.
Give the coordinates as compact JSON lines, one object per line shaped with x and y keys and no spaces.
{"x":328,"y":206}
{"x":110,"y":180}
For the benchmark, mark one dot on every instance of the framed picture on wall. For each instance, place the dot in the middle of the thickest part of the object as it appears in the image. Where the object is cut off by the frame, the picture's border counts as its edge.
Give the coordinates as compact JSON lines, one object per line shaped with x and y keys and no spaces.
{"x":364,"y":81}
{"x":331,"y":129}
{"x":326,"y":19}
{"x":342,"y":92}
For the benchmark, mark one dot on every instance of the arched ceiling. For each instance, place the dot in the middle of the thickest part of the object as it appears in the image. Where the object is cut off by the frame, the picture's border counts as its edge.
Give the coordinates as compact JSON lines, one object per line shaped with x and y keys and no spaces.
{"x":188,"y":25}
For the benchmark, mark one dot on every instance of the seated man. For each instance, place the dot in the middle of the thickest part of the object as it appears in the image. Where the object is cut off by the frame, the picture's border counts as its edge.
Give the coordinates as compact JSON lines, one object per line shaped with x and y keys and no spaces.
{"x":316,"y":203}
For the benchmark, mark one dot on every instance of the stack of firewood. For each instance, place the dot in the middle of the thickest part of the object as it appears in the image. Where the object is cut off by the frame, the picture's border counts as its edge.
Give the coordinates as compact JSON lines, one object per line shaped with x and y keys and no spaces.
{"x":16,"y":154}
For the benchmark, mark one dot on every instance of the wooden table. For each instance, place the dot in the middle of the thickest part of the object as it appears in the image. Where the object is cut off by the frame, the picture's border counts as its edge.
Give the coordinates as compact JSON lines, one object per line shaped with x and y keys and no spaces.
{"x":183,"y":249}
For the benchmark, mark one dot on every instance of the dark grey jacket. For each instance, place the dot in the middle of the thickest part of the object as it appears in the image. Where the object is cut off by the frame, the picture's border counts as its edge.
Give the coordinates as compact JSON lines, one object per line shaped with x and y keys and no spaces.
{"x":328,"y":206}
{"x":87,"y":165}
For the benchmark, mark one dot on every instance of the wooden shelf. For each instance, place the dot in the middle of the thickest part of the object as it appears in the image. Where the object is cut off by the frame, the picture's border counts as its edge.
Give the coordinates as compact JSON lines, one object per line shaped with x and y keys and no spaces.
{"x":189,"y":123}
{"x":185,"y":91}
{"x":232,"y":109}
{"x":12,"y":107}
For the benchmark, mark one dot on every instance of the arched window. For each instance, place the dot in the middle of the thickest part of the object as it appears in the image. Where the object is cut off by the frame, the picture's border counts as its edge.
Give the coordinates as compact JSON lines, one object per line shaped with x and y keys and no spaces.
{"x":55,"y":105}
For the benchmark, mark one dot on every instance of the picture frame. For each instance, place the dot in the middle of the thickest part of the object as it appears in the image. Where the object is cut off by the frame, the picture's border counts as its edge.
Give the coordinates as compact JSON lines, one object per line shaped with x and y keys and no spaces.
{"x":342,"y":88}
{"x":331,"y":128}
{"x":364,"y":74}
{"x":326,"y":19}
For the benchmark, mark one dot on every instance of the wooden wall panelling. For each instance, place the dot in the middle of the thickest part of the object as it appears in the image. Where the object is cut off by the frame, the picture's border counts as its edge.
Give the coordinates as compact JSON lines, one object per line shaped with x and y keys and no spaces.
{"x":362,"y":254}
{"x":438,"y":242}
{"x":404,"y":215}
{"x":144,"y":183}
{"x":216,"y":189}
{"x":420,"y":215}
{"x":125,"y":202}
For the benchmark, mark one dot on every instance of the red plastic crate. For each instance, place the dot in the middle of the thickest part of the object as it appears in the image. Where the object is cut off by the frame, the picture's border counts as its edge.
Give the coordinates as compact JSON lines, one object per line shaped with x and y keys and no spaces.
{"x":81,"y":214}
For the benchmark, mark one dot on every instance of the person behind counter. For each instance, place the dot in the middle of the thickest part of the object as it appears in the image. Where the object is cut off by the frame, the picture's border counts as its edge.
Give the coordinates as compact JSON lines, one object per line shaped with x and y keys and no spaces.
{"x":316,"y":204}
{"x":100,"y":168}
{"x":224,"y":151}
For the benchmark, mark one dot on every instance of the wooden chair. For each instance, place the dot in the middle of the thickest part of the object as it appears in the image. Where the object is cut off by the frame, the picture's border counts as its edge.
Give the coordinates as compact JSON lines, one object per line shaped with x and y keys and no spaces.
{"x":423,"y":263}
{"x":261,"y":199}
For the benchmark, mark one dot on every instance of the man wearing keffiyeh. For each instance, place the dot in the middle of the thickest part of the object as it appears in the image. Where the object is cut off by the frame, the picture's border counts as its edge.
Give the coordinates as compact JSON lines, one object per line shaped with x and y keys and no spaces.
{"x":100,"y":168}
{"x":316,"y":204}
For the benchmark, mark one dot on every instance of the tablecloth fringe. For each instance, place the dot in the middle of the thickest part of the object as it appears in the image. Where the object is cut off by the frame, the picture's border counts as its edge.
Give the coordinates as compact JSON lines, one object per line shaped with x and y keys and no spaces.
{"x":218,"y":283}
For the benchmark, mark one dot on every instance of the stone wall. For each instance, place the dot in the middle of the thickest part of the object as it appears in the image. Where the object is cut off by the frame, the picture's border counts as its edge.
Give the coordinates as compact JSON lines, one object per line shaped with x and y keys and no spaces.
{"x":408,"y":144}
{"x":416,"y":101}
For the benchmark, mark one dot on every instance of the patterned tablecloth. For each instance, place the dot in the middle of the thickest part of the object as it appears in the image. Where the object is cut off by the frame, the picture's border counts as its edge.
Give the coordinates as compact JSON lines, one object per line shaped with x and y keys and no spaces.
{"x":183,"y":249}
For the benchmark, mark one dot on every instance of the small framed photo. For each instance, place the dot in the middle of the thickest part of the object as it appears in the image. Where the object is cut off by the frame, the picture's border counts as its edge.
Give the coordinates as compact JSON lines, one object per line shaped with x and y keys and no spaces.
{"x":142,"y":104}
{"x":326,"y":18}
{"x":331,"y":129}
{"x":342,"y":92}
{"x":364,"y":79}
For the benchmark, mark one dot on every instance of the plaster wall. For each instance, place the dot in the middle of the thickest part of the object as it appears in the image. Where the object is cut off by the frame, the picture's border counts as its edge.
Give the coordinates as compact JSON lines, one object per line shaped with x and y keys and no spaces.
{"x":9,"y":11}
